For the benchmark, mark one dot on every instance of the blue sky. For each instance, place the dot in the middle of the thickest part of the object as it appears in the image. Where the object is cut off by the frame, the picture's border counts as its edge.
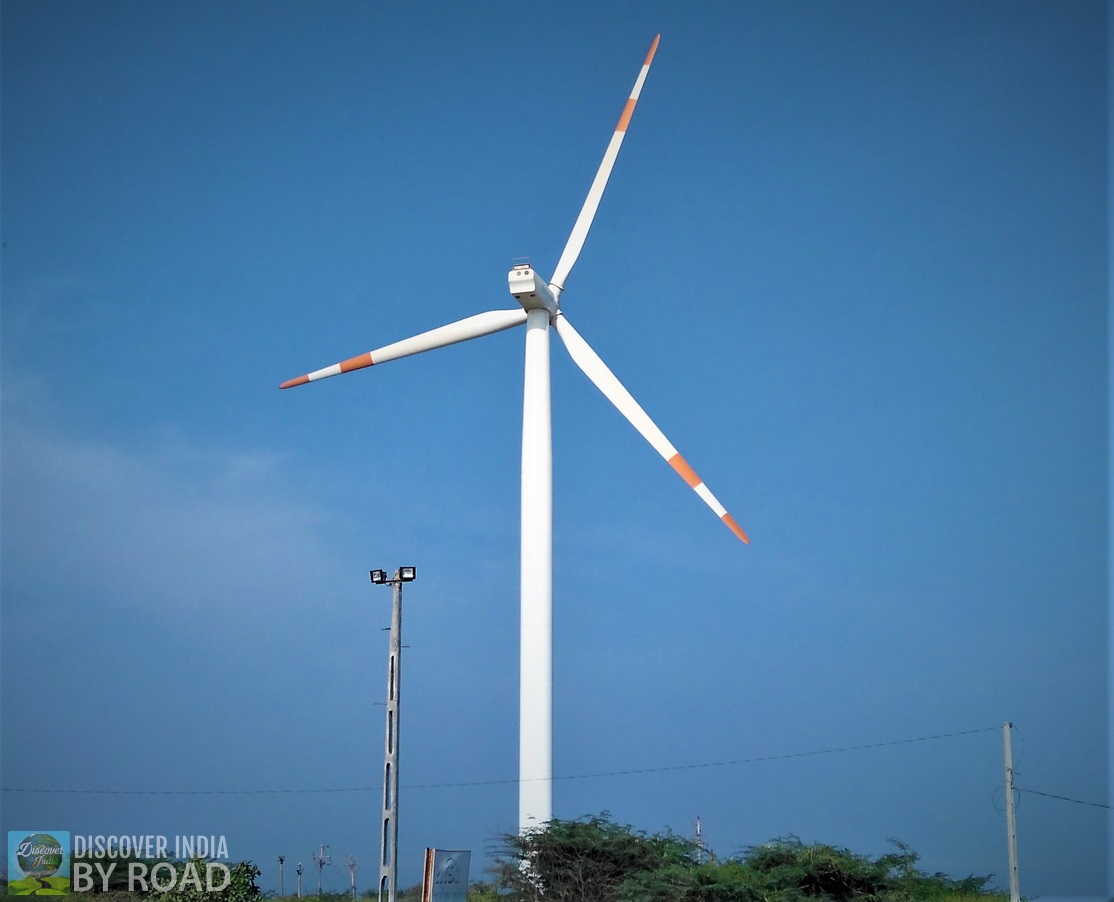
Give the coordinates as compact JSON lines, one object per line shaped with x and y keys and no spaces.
{"x":852,"y":260}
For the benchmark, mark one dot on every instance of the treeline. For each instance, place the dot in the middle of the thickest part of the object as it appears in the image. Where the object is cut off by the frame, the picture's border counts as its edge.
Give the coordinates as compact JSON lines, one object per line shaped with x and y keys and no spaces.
{"x":596,"y":860}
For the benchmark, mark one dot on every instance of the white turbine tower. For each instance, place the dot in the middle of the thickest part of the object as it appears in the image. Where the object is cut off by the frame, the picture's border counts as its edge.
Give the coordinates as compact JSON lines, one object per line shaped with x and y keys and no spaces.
{"x":539,"y":310}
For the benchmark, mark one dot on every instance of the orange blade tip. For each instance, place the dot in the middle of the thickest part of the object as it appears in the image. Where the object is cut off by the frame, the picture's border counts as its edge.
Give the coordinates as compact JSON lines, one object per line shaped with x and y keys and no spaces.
{"x":290,"y":383}
{"x":735,"y":528}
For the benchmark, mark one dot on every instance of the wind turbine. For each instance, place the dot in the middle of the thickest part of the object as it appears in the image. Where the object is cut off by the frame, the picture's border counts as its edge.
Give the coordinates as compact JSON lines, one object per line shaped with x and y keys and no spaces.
{"x":538,"y":311}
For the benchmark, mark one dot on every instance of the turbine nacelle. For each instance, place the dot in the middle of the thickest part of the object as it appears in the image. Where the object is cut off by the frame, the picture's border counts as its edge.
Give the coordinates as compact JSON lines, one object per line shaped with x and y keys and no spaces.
{"x":530,"y":290}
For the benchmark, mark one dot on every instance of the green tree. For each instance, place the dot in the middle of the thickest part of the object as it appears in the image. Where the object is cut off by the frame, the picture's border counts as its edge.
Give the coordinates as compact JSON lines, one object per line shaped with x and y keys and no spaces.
{"x":483,"y":892}
{"x":828,"y":872}
{"x":727,"y":881}
{"x":589,"y":858}
{"x":596,"y":860}
{"x":241,"y":886}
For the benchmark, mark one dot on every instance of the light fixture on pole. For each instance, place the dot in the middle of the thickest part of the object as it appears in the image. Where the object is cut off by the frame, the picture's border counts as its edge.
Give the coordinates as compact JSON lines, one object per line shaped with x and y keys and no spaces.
{"x":388,"y":862}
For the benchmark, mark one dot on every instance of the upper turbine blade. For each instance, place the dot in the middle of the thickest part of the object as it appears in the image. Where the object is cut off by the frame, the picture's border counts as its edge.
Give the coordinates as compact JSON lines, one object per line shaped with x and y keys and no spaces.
{"x":472,"y":327}
{"x":596,"y":370}
{"x":588,"y":211}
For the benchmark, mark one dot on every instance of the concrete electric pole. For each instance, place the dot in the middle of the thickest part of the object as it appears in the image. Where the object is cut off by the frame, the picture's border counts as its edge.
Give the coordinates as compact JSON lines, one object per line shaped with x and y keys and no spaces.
{"x":321,"y":860}
{"x":282,"y":858}
{"x":1011,"y":822}
{"x":352,"y":868}
{"x":388,"y":862}
{"x":299,"y":870}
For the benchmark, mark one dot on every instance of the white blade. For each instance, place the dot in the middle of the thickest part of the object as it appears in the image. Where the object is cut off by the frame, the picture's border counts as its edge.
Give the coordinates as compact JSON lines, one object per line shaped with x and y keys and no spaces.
{"x":596,"y":370}
{"x":592,"y":202}
{"x":472,"y":327}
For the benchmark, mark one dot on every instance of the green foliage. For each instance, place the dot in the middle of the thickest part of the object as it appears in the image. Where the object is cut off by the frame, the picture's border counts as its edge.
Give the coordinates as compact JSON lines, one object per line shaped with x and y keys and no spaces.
{"x":588,"y":858}
{"x":596,"y":859}
{"x":821,"y":871}
{"x":483,"y":892}
{"x":241,"y":887}
{"x":728,"y":881}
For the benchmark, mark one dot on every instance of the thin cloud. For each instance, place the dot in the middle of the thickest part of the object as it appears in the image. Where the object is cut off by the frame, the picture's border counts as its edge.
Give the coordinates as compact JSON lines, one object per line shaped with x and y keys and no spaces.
{"x":161,"y":523}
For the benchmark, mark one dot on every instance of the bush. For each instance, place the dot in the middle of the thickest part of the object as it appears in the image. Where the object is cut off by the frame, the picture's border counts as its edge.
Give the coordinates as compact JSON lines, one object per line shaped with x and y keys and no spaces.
{"x":241,"y":886}
{"x":598,"y":860}
{"x":589,"y":858}
{"x":727,"y":881}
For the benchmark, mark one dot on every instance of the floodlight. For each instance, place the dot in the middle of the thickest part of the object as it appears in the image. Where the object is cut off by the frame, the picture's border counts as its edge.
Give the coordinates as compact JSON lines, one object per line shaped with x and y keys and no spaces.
{"x":378,"y":576}
{"x":406,"y":574}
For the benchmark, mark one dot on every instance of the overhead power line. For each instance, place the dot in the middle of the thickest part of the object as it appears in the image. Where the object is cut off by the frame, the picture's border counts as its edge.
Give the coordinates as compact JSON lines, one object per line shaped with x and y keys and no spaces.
{"x":614,"y":773}
{"x":1048,"y":795}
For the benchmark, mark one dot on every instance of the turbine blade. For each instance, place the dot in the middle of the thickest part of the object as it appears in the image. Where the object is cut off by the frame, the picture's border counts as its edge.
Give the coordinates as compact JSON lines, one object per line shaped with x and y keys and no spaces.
{"x":596,"y":370}
{"x":471,"y":327}
{"x":592,"y":202}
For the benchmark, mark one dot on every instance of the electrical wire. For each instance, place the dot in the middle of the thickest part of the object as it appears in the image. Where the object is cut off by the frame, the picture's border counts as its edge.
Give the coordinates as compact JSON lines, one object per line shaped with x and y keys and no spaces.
{"x":615,"y":773}
{"x":672,"y":767}
{"x":1049,"y":795}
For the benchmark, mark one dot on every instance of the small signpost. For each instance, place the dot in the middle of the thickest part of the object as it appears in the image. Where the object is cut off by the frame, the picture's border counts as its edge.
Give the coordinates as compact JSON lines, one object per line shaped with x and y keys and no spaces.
{"x":445,"y":878}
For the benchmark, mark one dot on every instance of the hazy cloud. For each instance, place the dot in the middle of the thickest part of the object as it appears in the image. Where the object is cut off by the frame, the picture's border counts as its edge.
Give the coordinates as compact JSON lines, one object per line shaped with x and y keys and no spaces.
{"x":161,"y":521}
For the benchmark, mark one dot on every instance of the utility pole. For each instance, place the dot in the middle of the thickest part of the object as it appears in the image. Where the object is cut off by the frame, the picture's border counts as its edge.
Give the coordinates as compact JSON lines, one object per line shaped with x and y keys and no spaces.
{"x":321,"y":860}
{"x":699,"y":842}
{"x":282,"y":858}
{"x":299,"y":869}
{"x":388,"y":862}
{"x":352,"y":868}
{"x":1011,"y":823}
